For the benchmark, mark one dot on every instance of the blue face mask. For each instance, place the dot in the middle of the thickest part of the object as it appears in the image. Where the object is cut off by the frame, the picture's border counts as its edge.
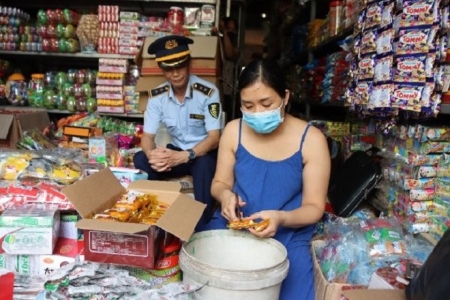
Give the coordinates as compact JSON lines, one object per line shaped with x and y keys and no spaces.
{"x":265,"y":121}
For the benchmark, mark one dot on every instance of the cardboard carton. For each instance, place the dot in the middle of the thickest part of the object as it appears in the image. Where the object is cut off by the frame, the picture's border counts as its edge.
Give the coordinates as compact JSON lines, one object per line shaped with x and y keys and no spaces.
{"x":374,"y":294}
{"x":29,"y":230}
{"x":324,"y":290}
{"x":14,"y":121}
{"x":129,"y":243}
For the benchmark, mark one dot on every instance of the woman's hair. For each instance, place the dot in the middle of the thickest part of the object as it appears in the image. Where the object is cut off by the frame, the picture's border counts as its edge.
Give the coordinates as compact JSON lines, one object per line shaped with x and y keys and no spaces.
{"x":266,"y":71}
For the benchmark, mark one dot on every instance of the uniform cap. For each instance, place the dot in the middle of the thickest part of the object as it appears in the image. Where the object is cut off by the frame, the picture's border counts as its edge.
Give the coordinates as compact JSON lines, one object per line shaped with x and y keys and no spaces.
{"x":171,"y":50}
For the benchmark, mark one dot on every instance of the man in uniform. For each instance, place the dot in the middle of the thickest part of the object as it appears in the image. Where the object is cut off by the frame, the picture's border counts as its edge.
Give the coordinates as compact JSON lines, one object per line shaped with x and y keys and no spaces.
{"x":190,"y":108}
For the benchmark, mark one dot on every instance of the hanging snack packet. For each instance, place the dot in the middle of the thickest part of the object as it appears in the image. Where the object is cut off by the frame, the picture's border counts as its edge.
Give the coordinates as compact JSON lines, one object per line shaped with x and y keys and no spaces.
{"x":417,"y":12}
{"x":383,"y":69}
{"x":362,"y":91}
{"x":428,"y":89}
{"x":407,"y":96}
{"x":429,"y":64}
{"x":368,"y":42}
{"x":373,"y":15}
{"x":384,"y":41}
{"x":381,"y":96}
{"x":410,"y":68}
{"x":366,"y":67}
{"x":413,"y":40}
{"x":359,"y":26}
{"x":387,"y":15}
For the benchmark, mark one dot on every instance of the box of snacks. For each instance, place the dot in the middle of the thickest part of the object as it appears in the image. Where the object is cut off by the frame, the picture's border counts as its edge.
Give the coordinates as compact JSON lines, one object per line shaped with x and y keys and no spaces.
{"x":125,"y":226}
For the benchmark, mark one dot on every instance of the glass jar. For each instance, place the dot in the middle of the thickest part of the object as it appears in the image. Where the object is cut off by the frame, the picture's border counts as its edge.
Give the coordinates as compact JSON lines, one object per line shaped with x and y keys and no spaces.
{"x":36,"y":90}
{"x":133,"y":75}
{"x":175,"y":16}
{"x":16,"y":90}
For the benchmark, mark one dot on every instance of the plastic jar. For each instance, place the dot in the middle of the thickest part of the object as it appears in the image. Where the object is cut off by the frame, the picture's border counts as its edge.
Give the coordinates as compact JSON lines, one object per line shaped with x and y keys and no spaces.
{"x":335,"y":17}
{"x":169,"y":255}
{"x":36,"y":90}
{"x":175,"y":15}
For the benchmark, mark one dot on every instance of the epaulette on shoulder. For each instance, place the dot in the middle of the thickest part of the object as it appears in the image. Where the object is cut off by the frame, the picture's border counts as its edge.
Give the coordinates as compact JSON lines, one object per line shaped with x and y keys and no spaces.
{"x":203,"y":89}
{"x":159,"y":90}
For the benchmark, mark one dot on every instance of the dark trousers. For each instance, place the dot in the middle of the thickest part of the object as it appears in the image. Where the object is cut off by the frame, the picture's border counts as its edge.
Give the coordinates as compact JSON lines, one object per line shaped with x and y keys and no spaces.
{"x":201,"y":169}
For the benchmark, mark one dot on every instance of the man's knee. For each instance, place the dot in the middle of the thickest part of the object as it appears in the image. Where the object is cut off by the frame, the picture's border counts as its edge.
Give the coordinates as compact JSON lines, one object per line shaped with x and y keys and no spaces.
{"x":140,"y":160}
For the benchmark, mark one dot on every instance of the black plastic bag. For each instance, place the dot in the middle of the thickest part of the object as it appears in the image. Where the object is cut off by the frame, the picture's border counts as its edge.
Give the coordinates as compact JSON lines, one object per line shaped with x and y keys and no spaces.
{"x":432,"y":281}
{"x":354,"y":182}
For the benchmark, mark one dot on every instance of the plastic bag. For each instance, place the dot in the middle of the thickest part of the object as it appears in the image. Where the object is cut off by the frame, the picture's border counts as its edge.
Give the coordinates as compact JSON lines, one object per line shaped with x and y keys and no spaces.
{"x":431,"y":282}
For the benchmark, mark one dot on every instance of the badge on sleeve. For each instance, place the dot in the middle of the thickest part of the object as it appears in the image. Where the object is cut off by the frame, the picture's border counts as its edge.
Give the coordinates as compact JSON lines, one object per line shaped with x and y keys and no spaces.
{"x":214,"y":110}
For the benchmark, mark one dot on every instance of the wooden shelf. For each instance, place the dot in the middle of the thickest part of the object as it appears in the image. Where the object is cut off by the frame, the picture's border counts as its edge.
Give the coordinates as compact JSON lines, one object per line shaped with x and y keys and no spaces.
{"x":75,"y":55}
{"x":66,"y":112}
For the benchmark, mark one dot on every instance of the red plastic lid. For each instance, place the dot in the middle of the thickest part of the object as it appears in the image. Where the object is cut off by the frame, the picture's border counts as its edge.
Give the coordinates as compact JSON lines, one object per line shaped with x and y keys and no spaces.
{"x":173,"y":246}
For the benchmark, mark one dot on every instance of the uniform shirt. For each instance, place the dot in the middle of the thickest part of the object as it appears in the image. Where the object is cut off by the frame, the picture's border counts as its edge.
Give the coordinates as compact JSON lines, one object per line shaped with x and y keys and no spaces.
{"x":188,"y":123}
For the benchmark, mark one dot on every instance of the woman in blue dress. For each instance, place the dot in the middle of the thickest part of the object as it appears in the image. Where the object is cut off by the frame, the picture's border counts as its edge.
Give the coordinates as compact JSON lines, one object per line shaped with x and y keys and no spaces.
{"x":279,"y":166}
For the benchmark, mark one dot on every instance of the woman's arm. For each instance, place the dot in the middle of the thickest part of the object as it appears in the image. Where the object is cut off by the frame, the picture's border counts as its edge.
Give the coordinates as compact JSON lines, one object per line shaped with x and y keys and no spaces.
{"x":316,"y":175}
{"x":223,"y":181}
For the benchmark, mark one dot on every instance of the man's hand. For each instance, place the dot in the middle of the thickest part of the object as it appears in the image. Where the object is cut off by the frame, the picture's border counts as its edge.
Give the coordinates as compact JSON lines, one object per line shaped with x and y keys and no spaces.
{"x":162,"y":159}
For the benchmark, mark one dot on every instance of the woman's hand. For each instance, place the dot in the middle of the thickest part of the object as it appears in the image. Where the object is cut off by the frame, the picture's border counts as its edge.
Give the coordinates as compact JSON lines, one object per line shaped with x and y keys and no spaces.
{"x":275,"y":217}
{"x":228,"y":204}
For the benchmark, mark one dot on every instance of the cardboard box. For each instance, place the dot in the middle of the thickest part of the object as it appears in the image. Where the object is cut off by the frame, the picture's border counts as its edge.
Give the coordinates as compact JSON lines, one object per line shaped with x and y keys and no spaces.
{"x":324,"y":290}
{"x":14,"y":121}
{"x":374,"y":294}
{"x":206,"y":59}
{"x":129,"y":243}
{"x":29,"y":230}
{"x":67,"y":251}
{"x":145,"y":84}
{"x":127,"y":175}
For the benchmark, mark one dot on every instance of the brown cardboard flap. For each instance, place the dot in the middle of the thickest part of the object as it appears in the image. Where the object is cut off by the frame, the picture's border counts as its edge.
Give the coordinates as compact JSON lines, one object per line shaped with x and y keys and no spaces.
{"x":375,"y":294}
{"x":111,"y":226}
{"x":182,"y":217}
{"x":5,"y":124}
{"x":94,"y":193}
{"x":155,"y":185}
{"x":36,"y":119}
{"x":145,"y":84}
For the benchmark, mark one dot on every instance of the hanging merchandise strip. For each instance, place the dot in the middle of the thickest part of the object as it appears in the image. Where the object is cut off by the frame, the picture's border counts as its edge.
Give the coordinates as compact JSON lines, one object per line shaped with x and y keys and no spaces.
{"x":399,"y":63}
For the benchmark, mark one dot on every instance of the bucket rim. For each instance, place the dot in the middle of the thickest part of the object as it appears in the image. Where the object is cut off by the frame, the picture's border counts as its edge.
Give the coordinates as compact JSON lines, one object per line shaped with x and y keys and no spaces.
{"x":208,"y":233}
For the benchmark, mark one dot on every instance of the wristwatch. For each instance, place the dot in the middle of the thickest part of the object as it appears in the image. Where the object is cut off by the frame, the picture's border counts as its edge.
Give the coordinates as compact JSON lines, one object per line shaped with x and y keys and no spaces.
{"x":191,"y":154}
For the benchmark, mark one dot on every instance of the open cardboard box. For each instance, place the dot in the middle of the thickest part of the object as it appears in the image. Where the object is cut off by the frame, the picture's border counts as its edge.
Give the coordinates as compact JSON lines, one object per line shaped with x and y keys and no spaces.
{"x":333,"y":291}
{"x":14,"y":121}
{"x":374,"y":294}
{"x":129,"y":243}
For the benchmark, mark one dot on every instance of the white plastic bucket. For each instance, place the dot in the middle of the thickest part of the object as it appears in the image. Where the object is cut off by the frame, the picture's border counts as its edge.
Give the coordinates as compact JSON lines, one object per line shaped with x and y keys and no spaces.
{"x":234,"y":265}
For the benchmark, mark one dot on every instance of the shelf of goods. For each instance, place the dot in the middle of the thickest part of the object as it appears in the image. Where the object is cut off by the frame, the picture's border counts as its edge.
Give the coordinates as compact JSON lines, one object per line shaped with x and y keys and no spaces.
{"x":108,"y":77}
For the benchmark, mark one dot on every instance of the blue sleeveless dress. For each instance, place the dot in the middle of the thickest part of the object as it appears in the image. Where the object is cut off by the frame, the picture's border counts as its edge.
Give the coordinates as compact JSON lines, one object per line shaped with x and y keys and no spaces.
{"x":276,"y":185}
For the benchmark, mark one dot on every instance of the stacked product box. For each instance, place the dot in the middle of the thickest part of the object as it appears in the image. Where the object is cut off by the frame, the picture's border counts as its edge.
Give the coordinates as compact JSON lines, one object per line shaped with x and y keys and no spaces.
{"x":411,"y":180}
{"x":131,"y":99}
{"x":41,"y":242}
{"x":129,"y":41}
{"x":108,"y":17}
{"x":110,"y":92}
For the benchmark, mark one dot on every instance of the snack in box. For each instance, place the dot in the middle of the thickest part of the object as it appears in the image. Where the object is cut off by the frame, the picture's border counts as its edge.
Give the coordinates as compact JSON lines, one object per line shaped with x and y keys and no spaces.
{"x":135,"y":207}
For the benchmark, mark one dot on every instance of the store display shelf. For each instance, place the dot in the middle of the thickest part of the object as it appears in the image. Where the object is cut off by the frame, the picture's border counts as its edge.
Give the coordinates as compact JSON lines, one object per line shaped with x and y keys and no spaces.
{"x":445,"y":109}
{"x":124,"y":115}
{"x":75,"y":55}
{"x":323,"y":46}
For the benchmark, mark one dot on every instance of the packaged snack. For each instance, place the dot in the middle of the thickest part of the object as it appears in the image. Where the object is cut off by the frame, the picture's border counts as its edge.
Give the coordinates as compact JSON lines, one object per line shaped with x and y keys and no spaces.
{"x":366,"y":67}
{"x":406,"y":95}
{"x":383,"y":69}
{"x":373,"y":15}
{"x":387,"y":15}
{"x":413,"y":40}
{"x":410,"y":68}
{"x":417,"y":12}
{"x":384,"y":42}
{"x":368,"y":42}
